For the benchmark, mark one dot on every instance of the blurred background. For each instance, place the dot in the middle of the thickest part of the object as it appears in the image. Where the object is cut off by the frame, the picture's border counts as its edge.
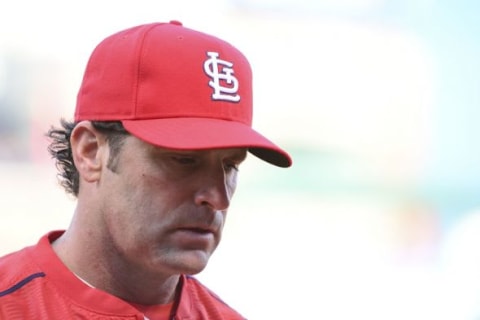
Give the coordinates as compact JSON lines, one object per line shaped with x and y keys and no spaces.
{"x":376,"y":100}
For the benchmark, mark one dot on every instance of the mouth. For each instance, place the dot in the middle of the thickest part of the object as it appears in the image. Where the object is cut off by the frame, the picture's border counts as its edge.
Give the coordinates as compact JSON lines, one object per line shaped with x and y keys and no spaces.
{"x":200,"y":230}
{"x":197,"y":230}
{"x":195,"y":237}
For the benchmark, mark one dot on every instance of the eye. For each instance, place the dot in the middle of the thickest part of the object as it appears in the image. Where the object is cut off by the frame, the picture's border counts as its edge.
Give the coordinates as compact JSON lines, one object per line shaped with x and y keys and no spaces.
{"x":229,"y":166}
{"x":184,"y":160}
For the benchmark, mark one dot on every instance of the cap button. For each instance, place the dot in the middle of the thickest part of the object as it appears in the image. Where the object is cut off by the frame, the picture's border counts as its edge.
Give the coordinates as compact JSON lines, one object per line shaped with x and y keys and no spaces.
{"x":176,"y":22}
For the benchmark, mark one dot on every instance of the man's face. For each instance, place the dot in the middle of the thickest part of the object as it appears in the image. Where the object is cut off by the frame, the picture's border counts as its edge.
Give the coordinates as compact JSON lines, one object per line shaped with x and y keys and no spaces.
{"x":164,"y":210}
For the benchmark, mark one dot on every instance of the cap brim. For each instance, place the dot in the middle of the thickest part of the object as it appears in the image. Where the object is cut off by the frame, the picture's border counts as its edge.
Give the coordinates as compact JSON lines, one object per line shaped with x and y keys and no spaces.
{"x":206,"y":133}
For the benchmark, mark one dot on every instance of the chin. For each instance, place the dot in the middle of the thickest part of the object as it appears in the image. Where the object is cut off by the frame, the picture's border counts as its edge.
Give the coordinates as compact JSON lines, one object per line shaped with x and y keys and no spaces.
{"x":190,"y":263}
{"x":196,"y":263}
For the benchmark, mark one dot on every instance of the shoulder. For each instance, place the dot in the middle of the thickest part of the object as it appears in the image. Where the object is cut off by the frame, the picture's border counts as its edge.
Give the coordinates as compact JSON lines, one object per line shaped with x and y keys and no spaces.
{"x":17,"y":270}
{"x":204,"y":303}
{"x":22,"y":269}
{"x":14,"y":266}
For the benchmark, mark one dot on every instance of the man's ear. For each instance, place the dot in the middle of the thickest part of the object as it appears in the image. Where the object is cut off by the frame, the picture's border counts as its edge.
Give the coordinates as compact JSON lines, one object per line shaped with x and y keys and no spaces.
{"x":89,"y":148}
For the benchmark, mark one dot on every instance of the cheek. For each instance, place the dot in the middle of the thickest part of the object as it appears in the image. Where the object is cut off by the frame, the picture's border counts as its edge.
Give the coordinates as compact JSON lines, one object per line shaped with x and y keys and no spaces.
{"x":151,"y":202}
{"x":134,"y":221}
{"x":129,"y":203}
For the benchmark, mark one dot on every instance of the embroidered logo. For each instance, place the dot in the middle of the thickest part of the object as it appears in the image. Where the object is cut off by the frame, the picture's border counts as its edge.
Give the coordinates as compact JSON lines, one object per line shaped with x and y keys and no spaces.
{"x":223,"y":81}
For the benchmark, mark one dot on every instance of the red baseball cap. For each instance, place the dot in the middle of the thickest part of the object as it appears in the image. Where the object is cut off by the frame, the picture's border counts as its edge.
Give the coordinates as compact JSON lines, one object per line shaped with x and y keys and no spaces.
{"x":175,"y":88}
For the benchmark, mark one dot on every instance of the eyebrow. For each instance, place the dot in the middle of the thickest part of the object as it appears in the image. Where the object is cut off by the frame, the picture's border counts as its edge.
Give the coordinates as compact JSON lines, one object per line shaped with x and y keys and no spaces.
{"x":238,"y":154}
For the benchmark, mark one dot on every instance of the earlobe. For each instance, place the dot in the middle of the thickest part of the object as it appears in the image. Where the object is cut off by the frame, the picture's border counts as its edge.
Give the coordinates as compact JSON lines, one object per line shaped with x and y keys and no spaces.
{"x":87,"y":151}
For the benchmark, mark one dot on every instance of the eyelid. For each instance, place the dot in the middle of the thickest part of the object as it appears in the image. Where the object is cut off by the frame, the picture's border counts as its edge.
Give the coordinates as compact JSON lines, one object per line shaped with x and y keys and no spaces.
{"x":188,"y":158}
{"x":234,"y":164}
{"x":184,"y":159}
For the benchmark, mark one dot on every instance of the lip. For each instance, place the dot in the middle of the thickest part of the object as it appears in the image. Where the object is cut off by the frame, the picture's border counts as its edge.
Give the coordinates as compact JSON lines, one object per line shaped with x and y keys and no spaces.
{"x":193,"y":237}
{"x":199,"y":231}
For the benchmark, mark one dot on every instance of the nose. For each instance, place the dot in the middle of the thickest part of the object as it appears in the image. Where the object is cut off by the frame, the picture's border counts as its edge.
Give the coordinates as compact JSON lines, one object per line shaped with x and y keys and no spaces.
{"x":214,"y":190}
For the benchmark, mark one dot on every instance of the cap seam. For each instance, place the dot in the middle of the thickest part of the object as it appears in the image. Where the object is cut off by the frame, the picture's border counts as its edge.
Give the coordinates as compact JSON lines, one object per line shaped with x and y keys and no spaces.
{"x":139,"y":59}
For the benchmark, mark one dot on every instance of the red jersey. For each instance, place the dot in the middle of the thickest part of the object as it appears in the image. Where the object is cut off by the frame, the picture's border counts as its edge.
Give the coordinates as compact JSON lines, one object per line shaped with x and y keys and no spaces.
{"x":35,"y":284}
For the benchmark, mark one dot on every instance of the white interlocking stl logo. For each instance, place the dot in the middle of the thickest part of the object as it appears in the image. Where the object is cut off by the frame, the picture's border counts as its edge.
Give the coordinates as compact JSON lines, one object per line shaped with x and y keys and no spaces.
{"x":224,"y":82}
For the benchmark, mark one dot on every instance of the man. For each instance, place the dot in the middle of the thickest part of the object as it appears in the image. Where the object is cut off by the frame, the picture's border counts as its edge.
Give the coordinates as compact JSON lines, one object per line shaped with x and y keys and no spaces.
{"x":162,"y":123}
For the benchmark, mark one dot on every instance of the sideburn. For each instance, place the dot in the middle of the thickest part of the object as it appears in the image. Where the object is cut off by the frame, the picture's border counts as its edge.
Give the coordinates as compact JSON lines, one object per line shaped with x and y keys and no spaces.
{"x":115,"y":143}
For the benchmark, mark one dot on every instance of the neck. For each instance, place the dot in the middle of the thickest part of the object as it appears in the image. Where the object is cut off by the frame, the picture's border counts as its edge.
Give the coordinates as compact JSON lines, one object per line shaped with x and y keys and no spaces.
{"x":103,"y":268}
